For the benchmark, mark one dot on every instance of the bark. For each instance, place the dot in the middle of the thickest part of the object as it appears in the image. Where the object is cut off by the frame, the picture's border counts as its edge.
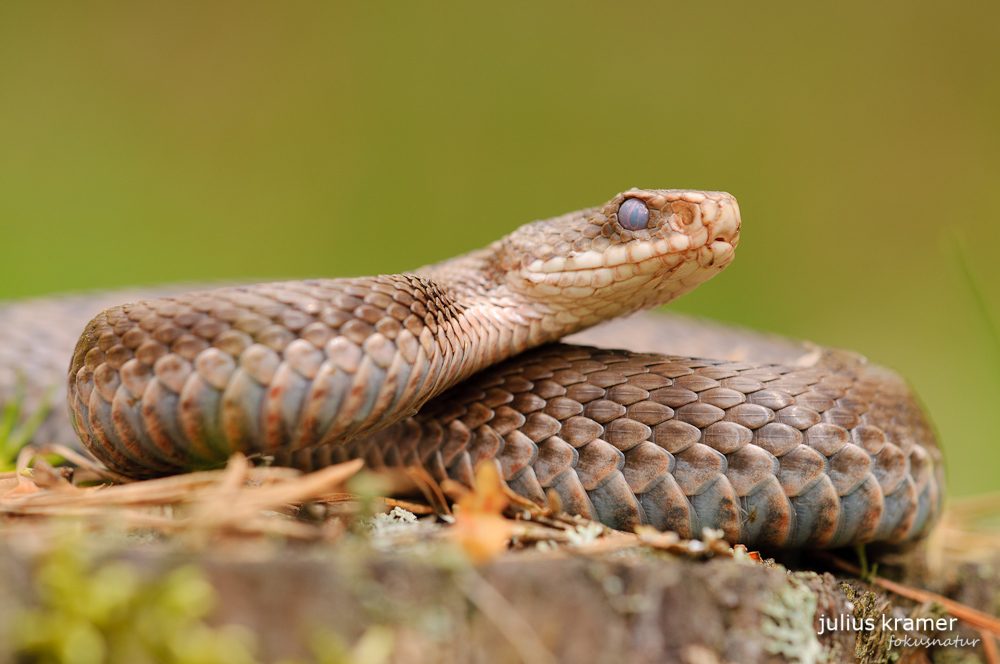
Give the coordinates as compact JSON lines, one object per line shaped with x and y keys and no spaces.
{"x":536,"y":607}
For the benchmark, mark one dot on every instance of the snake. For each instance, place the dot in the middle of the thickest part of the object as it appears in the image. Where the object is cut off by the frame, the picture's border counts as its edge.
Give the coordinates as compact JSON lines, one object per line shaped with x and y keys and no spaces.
{"x":775,"y":443}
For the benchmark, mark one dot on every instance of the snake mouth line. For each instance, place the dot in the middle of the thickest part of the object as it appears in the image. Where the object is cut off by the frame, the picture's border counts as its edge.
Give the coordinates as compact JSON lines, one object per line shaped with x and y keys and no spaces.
{"x":634,"y":252}
{"x":721,"y":231}
{"x":586,"y":273}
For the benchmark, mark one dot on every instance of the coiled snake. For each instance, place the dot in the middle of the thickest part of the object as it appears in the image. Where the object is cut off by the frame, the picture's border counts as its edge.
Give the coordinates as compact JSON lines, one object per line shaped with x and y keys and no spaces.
{"x":821,"y":449}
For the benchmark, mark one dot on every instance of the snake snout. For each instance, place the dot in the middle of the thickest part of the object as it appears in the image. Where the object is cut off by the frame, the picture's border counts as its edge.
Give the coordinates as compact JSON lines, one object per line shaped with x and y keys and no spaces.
{"x":724,"y":219}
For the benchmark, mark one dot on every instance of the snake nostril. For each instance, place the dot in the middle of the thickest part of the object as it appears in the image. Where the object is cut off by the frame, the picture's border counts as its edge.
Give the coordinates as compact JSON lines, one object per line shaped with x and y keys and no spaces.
{"x":633,"y":214}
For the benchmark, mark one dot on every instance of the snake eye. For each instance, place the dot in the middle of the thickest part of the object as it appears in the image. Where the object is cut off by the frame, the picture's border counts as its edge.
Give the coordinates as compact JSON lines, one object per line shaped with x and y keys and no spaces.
{"x":633,"y":214}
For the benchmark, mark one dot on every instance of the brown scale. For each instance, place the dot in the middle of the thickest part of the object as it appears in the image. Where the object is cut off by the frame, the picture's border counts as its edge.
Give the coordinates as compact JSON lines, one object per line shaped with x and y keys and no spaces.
{"x":773,"y":456}
{"x":194,"y":367}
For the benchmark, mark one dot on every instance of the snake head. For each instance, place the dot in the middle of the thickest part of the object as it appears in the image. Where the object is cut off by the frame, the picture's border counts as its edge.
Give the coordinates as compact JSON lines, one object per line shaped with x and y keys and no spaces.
{"x":641,"y":249}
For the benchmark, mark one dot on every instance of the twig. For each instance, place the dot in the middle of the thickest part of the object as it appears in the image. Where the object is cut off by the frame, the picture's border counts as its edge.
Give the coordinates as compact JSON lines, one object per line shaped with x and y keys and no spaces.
{"x":975,"y":618}
{"x":990,"y":648}
{"x":84,"y":462}
{"x":430,"y":488}
{"x":511,"y":624}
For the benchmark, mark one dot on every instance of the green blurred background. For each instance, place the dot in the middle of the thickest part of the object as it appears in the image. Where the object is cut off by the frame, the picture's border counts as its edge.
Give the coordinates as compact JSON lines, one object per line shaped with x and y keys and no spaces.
{"x":153,"y":142}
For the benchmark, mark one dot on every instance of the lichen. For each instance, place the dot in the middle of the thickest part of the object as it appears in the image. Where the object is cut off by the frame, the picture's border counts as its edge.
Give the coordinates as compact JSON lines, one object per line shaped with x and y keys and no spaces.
{"x":584,"y":534}
{"x":788,"y":624}
{"x":394,"y":517}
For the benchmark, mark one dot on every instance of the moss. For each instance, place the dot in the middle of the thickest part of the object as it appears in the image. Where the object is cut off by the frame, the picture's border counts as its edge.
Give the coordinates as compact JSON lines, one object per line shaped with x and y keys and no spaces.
{"x":955,"y":656}
{"x":871,"y":647}
{"x":110,"y":613}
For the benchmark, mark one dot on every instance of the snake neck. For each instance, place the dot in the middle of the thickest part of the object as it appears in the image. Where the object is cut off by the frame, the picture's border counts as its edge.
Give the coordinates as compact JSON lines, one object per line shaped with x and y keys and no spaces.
{"x":479,"y":320}
{"x":488,"y":309}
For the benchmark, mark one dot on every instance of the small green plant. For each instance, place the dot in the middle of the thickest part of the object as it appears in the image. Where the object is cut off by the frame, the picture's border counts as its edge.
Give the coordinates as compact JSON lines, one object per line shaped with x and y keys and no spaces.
{"x":15,"y":434}
{"x":980,"y":300}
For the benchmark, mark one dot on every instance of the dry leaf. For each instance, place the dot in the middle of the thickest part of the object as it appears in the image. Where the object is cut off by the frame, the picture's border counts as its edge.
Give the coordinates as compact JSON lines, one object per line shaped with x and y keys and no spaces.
{"x":23,"y":488}
{"x":480,"y":527}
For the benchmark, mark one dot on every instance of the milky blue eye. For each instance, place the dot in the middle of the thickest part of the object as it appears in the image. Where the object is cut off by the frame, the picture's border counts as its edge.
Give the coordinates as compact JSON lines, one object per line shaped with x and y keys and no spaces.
{"x":633,"y":214}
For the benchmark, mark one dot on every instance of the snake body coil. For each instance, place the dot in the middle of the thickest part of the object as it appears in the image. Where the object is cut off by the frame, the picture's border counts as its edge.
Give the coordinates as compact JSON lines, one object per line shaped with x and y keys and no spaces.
{"x":316,"y":371}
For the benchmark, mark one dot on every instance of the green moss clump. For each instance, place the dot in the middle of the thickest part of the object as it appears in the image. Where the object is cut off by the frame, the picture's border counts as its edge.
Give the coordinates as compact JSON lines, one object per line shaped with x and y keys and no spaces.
{"x":89,"y":614}
{"x":110,"y":613}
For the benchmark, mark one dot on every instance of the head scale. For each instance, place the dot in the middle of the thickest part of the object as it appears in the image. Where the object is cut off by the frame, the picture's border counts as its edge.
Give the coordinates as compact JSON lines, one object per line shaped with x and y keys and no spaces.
{"x":643,"y":248}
